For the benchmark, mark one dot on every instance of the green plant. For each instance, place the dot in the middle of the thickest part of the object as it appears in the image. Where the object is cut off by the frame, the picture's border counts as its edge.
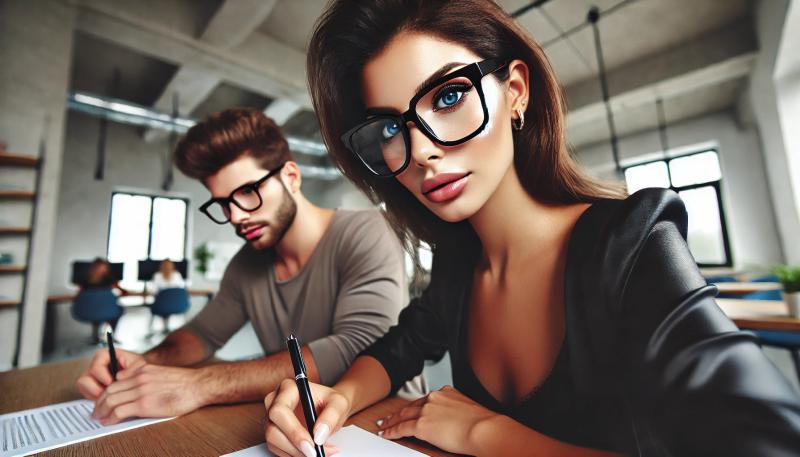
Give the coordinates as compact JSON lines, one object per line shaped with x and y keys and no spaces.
{"x":202,"y":255}
{"x":789,"y":276}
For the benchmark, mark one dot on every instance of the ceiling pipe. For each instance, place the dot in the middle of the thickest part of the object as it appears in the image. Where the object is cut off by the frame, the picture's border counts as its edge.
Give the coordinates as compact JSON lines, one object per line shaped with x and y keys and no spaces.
{"x":132,"y":114}
{"x":592,"y":18}
{"x":535,"y":4}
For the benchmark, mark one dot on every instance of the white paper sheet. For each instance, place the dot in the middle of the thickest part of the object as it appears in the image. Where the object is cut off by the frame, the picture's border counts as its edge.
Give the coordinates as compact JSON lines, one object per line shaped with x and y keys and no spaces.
{"x":36,"y":430}
{"x":352,"y":441}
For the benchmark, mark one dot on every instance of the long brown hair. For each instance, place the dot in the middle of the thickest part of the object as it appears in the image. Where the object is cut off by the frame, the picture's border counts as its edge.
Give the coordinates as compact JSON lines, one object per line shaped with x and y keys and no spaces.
{"x":350,"y":32}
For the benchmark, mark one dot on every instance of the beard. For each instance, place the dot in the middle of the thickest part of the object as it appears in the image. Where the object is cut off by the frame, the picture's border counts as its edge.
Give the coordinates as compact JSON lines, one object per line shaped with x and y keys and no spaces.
{"x":284,"y":217}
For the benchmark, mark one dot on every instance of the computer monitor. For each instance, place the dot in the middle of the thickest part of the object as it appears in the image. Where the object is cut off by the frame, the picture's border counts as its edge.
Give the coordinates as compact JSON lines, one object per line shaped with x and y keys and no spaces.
{"x":80,"y":271}
{"x":147,"y":268}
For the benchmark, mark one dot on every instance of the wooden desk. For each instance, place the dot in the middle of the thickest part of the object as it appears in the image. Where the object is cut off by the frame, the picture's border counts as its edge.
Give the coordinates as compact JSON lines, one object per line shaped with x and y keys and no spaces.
{"x":746,"y":287}
{"x":759,"y":314}
{"x":210,"y":431}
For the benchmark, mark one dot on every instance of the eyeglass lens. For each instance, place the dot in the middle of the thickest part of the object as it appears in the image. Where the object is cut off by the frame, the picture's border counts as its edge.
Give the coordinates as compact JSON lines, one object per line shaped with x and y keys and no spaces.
{"x":452,"y":111}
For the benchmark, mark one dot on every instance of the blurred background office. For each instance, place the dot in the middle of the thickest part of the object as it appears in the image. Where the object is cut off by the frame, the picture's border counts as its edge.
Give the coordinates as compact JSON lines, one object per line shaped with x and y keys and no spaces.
{"x":701,"y":96}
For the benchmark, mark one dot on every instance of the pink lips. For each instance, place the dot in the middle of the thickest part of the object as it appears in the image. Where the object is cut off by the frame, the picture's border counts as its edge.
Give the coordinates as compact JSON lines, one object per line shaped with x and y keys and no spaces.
{"x":444,"y":186}
{"x":253,"y":233}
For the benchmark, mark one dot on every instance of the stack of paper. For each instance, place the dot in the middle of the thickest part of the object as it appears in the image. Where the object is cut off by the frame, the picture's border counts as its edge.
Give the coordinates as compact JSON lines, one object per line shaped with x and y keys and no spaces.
{"x":351,"y":441}
{"x":48,"y":427}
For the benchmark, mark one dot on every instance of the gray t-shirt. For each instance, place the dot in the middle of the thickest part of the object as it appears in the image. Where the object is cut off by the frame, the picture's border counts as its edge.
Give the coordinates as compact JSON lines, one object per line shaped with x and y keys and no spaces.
{"x":347,"y":295}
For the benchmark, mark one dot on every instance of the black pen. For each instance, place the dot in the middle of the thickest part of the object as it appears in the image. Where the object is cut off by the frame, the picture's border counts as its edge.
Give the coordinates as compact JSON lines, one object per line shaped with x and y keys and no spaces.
{"x":112,"y":355}
{"x":301,"y":380}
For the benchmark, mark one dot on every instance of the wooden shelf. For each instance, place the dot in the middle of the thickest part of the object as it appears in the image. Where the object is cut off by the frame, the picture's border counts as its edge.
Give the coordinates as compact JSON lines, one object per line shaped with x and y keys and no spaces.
{"x":9,"y":303}
{"x":16,"y":194}
{"x":15,"y":230}
{"x":18,"y":160}
{"x":12,"y":269}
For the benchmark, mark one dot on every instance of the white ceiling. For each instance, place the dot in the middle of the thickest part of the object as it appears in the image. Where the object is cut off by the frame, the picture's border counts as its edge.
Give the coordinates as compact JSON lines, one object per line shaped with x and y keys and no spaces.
{"x":634,"y":31}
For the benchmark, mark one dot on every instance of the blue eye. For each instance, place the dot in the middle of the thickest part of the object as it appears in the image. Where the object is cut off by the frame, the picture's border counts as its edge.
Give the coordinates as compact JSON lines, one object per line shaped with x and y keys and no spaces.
{"x":390,"y":129}
{"x":450,"y":96}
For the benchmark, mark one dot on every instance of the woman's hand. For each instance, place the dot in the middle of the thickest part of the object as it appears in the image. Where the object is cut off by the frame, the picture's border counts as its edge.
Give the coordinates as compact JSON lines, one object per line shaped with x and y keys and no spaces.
{"x":445,"y":418}
{"x":285,"y":429}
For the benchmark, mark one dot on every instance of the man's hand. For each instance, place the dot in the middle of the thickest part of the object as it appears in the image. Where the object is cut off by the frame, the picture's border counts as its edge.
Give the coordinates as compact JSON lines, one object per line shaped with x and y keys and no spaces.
{"x":94,"y":381}
{"x":150,"y":391}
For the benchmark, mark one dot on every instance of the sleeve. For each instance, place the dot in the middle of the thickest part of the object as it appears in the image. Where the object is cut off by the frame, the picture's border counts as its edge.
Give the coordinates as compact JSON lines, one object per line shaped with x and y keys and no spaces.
{"x":371,"y":284}
{"x":420,"y":334}
{"x":224,"y":315}
{"x":698,"y":385}
{"x":158,"y":282}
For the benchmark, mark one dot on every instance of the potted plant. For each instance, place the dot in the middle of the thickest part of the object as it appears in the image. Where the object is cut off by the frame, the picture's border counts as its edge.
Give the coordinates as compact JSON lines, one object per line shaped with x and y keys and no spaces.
{"x":202,"y":255}
{"x":789,"y":277}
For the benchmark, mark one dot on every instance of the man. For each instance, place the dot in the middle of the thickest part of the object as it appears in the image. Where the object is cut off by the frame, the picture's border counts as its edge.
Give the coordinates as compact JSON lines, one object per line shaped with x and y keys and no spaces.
{"x":334,"y":278}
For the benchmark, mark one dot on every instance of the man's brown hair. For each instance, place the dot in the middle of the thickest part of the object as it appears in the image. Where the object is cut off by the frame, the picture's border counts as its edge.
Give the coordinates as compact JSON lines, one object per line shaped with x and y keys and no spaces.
{"x":227,"y":135}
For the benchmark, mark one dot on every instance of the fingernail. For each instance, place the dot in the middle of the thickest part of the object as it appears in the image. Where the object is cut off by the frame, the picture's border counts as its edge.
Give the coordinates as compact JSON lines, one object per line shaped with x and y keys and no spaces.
{"x":322,"y":434}
{"x":380,"y":433}
{"x":379,"y":422}
{"x":308,"y":449}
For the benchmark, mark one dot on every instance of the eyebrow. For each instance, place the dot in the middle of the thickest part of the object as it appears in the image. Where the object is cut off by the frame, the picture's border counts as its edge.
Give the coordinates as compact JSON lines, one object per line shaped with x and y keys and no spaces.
{"x":442,"y":71}
{"x":438,"y":74}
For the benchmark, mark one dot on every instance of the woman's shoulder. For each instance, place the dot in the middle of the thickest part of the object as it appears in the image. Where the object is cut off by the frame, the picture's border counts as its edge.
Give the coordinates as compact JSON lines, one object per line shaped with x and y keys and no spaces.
{"x":615,"y":227}
{"x":608,"y":238}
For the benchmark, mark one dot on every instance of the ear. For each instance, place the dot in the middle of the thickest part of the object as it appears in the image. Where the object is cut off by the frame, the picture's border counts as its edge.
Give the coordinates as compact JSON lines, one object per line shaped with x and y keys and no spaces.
{"x":517,"y":86}
{"x":290,"y":175}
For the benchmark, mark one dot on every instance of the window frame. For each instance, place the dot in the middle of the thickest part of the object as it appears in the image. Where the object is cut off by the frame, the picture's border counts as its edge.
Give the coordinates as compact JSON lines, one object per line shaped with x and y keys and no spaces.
{"x":716,"y":184}
{"x":152,"y":198}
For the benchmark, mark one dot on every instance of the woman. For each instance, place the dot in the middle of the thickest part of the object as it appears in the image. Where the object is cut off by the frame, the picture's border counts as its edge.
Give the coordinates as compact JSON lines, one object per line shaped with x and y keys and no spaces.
{"x":167,"y":277}
{"x":576,"y":319}
{"x":100,"y":276}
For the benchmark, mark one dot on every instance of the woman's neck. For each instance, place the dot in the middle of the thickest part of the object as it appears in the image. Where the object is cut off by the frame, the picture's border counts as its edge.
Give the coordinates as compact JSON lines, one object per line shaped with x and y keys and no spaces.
{"x":513,"y":226}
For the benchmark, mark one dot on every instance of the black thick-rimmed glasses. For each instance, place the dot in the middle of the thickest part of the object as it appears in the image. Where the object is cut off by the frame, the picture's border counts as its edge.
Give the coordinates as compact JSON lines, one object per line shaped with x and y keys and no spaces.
{"x":450,"y":111}
{"x":247,"y":197}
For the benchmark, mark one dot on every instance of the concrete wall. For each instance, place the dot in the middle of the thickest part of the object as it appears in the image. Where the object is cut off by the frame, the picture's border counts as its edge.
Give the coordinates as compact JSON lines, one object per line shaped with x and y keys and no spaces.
{"x":745,"y":190}
{"x":35,"y":51}
{"x":773,"y":125}
{"x":84,"y":204}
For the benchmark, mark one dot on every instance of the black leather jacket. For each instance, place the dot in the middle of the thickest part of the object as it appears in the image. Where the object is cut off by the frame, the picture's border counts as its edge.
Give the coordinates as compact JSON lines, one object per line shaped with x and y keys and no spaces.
{"x":650,"y":365}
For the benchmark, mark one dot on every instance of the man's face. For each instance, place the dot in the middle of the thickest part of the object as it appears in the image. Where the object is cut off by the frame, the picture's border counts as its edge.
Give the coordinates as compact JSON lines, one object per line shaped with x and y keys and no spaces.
{"x":265,"y":226}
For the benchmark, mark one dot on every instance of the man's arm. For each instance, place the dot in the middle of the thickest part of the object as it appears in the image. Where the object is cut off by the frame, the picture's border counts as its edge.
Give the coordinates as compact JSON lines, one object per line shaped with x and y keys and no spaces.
{"x":251,"y":380}
{"x":371,"y":294}
{"x":160,"y":391}
{"x":180,"y":348}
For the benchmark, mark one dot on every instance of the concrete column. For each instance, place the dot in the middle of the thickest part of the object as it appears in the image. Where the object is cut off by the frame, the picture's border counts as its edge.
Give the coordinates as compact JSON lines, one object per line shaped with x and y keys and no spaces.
{"x":774,"y":106}
{"x":36,"y":52}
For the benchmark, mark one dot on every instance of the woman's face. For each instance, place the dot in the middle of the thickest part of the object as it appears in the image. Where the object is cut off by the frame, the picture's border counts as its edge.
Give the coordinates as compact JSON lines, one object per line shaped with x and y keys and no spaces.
{"x":453,"y":182}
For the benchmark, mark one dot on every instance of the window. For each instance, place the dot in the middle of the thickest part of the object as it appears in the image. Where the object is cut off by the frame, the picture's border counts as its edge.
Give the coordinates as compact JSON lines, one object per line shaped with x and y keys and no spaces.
{"x":145,"y":226}
{"x":696,"y":178}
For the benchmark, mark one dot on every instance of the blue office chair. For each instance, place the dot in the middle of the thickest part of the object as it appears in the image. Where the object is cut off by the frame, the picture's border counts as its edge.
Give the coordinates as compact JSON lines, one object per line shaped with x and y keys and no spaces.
{"x":719,"y":279}
{"x":766,"y":278}
{"x":723,"y":278}
{"x":773,"y":338}
{"x":784,"y":340}
{"x":168,"y":302}
{"x":97,"y":306}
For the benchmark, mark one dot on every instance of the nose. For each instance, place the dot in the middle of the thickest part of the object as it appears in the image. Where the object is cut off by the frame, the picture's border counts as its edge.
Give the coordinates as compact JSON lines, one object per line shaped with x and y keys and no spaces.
{"x":424,"y":152}
{"x":238,"y":215}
